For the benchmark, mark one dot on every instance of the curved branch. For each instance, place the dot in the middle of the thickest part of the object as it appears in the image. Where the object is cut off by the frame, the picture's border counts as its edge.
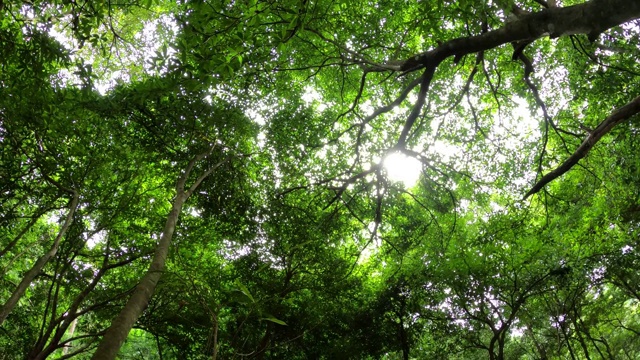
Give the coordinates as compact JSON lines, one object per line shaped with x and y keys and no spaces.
{"x":591,"y":18}
{"x":417,"y":108}
{"x":619,"y":115}
{"x":35,"y":270}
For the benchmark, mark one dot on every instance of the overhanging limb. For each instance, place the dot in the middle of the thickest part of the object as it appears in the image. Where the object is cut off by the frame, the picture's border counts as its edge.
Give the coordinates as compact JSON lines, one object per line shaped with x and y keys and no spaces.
{"x":619,"y":115}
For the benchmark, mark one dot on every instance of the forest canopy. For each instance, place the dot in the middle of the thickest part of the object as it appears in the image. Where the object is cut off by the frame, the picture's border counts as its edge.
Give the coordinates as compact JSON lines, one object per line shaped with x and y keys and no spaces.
{"x":319,"y":179}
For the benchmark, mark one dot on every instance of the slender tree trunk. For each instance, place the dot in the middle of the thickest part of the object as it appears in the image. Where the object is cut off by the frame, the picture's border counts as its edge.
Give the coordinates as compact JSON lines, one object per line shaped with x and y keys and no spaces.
{"x":72,"y":330}
{"x":404,"y":341}
{"x":40,"y":263}
{"x":29,"y":225}
{"x":214,"y":355}
{"x":542,"y":352}
{"x":581,"y":341}
{"x":58,"y":327}
{"x":501,"y":348}
{"x":565,"y":336}
{"x":122,"y":324}
{"x":159,"y":346}
{"x":264,"y":343}
{"x":492,"y":354}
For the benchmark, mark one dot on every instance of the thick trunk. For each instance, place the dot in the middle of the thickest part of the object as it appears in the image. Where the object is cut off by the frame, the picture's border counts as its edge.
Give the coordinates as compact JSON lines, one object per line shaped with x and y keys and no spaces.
{"x":121,"y":325}
{"x":40,"y":263}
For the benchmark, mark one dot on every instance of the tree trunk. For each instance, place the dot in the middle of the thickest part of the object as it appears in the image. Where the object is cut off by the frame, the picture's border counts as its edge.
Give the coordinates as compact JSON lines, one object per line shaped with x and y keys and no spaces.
{"x":33,"y":221}
{"x":214,"y":322}
{"x":122,"y":324}
{"x":72,"y":330}
{"x":404,"y":341}
{"x":57,"y":328}
{"x":120,"y":327}
{"x":264,"y":343}
{"x":40,"y":263}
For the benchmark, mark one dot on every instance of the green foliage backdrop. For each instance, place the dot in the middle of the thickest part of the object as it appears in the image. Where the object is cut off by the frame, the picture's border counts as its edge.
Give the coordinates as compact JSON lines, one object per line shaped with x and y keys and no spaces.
{"x":206,"y":179}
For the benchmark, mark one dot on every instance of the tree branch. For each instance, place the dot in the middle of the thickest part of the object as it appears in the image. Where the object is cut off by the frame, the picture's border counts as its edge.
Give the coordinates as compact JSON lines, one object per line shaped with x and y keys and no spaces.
{"x":589,"y":18}
{"x":618,"y":116}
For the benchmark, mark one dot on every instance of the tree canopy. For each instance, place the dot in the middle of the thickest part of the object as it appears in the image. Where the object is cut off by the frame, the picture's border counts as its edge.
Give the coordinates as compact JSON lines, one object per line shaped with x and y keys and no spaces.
{"x":227,"y":179}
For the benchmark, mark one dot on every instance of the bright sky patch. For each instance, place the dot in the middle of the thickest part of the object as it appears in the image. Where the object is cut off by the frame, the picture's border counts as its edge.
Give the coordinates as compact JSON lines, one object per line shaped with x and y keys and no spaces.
{"x":402,"y":168}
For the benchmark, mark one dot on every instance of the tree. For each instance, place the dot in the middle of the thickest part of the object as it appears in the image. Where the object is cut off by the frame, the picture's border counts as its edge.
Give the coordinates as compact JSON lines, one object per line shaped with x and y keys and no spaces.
{"x":210,"y":179}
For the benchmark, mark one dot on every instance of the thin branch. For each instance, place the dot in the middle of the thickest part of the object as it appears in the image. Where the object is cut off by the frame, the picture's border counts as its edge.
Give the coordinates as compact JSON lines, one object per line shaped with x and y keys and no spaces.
{"x":543,"y":3}
{"x":351,"y":180}
{"x":467,"y":85}
{"x":207,"y":173}
{"x":595,"y":59}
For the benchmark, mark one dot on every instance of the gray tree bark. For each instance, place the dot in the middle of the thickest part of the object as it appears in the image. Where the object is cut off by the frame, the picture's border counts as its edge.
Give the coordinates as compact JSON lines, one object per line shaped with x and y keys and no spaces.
{"x":17,"y":294}
{"x":116,"y":334}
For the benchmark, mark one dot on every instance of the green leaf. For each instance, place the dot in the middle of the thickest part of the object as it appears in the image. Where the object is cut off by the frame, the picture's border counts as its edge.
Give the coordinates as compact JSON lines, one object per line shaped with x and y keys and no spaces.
{"x":244,"y":290}
{"x":274,"y":320}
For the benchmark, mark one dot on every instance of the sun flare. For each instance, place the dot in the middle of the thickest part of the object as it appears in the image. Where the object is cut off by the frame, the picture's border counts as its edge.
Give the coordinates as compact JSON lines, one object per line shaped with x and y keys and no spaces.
{"x":402,"y":168}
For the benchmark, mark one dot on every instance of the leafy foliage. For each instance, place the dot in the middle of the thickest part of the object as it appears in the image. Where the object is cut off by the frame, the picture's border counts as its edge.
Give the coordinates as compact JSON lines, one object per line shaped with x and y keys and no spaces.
{"x":232,"y":152}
